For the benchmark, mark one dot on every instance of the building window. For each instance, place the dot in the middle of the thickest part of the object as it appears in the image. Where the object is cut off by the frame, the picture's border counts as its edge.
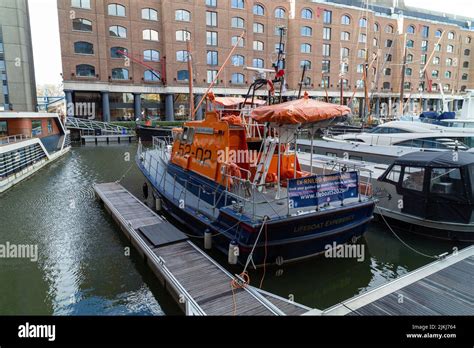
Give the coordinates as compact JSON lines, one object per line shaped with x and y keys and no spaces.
{"x":447,"y":74}
{"x":151,"y":56}
{"x":375,"y":42}
{"x":345,"y":20}
{"x":211,"y":75}
{"x":467,"y":52}
{"x":238,"y":22}
{"x":424,"y":45}
{"x":305,"y":48}
{"x":258,"y":63}
{"x":238,"y":60}
{"x":449,"y":62}
{"x":211,"y":38}
{"x":211,"y":3}
{"x":86,"y":4}
{"x":258,"y":28}
{"x":436,"y":60}
{"x":306,"y":31}
{"x":326,"y":50}
{"x":280,"y":13}
{"x":434,"y":87}
{"x":438,"y":33}
{"x":407,"y":86}
{"x":362,"y":38}
{"x":361,"y":53}
{"x":464,"y":77}
{"x":212,"y":58}
{"x":182,"y":15}
{"x":408,"y":71}
{"x":388,"y":57}
{"x":150,"y":35}
{"x":423,"y":59}
{"x":182,"y":56}
{"x":119,"y":74}
{"x":387,"y":71}
{"x":235,"y":41}
{"x":376,"y":27}
{"x":238,"y":79}
{"x":82,"y":47}
{"x":183,"y":35}
{"x":411,"y":29}
{"x":386,"y":85}
{"x":149,"y":14}
{"x":326,"y":66}
{"x":307,"y":81}
{"x":410,"y":43}
{"x":360,"y":68}
{"x":118,"y":32}
{"x":435,"y":73}
{"x":450,"y":48}
{"x":81,"y":24}
{"x":150,"y":75}
{"x":306,"y":13}
{"x":211,"y":19}
{"x":409,"y":58}
{"x":85,"y":70}
{"x":118,"y":52}
{"x":465,"y":65}
{"x":238,"y":4}
{"x":325,"y":82}
{"x":389,"y":29}
{"x":183,"y":75}
{"x":447,"y":87}
{"x":327,"y":17}
{"x":468,"y":39}
{"x":258,"y":10}
{"x":363,"y":23}
{"x":360,"y":84}
{"x":345,"y":36}
{"x":425,"y":31}
{"x":306,"y":63}
{"x":258,"y":45}
{"x":388,"y":43}
{"x":450,"y":35}
{"x":326,"y":33}
{"x":116,"y":10}
{"x":344,"y":52}
{"x":438,"y":48}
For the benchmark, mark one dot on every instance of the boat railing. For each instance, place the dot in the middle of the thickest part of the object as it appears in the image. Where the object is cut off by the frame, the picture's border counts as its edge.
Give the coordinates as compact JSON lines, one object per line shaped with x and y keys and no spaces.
{"x":420,"y":142}
{"x":13,"y":139}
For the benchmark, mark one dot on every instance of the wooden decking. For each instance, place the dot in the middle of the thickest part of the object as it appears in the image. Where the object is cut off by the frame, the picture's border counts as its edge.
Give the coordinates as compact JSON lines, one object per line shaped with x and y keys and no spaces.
{"x":198,"y":284}
{"x":444,"y":287}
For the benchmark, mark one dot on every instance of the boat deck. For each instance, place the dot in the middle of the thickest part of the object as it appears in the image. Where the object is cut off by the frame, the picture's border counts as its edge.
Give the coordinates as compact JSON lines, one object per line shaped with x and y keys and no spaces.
{"x":198,"y":283}
{"x":444,"y":287}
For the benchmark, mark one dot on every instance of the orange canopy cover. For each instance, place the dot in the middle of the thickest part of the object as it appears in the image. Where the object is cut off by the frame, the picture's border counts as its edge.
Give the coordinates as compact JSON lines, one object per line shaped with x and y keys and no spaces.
{"x":300,"y":111}
{"x":234,"y":101}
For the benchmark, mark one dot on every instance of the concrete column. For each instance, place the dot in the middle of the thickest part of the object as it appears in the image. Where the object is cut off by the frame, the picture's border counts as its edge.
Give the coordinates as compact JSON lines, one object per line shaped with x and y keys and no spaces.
{"x":389,"y":111}
{"x":412,"y":105}
{"x":69,"y":104}
{"x":377,"y":107}
{"x":438,"y":105}
{"x":105,"y":106}
{"x":425,"y":105}
{"x":455,"y":105}
{"x":169,"y":107}
{"x":137,"y":105}
{"x":199,"y":112}
{"x":361,"y":107}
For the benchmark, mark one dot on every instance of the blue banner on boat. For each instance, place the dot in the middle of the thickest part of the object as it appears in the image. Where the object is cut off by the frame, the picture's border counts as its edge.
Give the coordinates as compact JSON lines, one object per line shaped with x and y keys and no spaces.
{"x":319,"y":189}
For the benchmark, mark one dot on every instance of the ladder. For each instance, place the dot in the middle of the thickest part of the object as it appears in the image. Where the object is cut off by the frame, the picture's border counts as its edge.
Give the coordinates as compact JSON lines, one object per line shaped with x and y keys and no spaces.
{"x":265,"y":160}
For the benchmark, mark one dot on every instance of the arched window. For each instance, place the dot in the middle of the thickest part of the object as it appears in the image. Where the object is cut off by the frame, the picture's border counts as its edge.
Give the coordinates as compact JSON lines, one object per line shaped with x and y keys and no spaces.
{"x":362,"y":38}
{"x":150,"y":76}
{"x":151,"y":56}
{"x":237,"y":22}
{"x":150,"y":35}
{"x":450,"y":48}
{"x":435,"y":73}
{"x":388,"y":43}
{"x":434,"y":87}
{"x":280,"y":13}
{"x":389,"y":29}
{"x":410,"y":43}
{"x":468,"y":39}
{"x":450,"y":35}
{"x":407,"y":86}
{"x":387,"y":71}
{"x":306,"y":13}
{"x":149,"y":14}
{"x":345,"y":20}
{"x":345,"y":84}
{"x":118,"y":52}
{"x":238,"y":79}
{"x":182,"y":56}
{"x":183,"y":75}
{"x":212,"y":58}
{"x":183,"y":35}
{"x":258,"y":10}
{"x":360,"y":84}
{"x":363,"y":22}
{"x":258,"y":45}
{"x":258,"y":63}
{"x":463,"y":88}
{"x":361,"y":53}
{"x":386,"y":85}
{"x":465,"y":64}
{"x":116,"y":10}
{"x":411,"y":29}
{"x":306,"y":31}
{"x":82,"y":47}
{"x":118,"y":31}
{"x":467,"y":52}
{"x":119,"y":74}
{"x":464,"y":76}
{"x":238,"y":4}
{"x":344,"y":52}
{"x":438,"y":33}
{"x":447,"y":87}
{"x":408,"y":71}
{"x":82,"y":24}
{"x":436,"y":60}
{"x":305,"y":48}
{"x":238,"y":60}
{"x":182,"y":15}
{"x":307,"y":81}
{"x":376,"y":27}
{"x":388,"y":57}
{"x":409,"y":58}
{"x":360,"y":68}
{"x":258,"y":28}
{"x":306,"y":63}
{"x":85,"y":70}
{"x":438,"y":48}
{"x":375,"y":42}
{"x":448,"y":74}
{"x":345,"y":36}
{"x":235,"y":40}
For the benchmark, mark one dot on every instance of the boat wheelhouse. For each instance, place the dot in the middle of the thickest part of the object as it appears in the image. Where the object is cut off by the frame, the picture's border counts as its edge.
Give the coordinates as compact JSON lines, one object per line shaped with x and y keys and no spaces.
{"x":29,"y":141}
{"x":259,"y":202}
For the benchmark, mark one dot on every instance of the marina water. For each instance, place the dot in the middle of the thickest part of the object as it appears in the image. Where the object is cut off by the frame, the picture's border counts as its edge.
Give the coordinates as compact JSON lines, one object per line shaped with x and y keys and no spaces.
{"x":86,"y":267}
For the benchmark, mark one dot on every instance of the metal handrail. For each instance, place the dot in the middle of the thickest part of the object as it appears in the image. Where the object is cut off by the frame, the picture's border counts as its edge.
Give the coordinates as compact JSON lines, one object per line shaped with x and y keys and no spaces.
{"x":90,"y":126}
{"x":13,"y":139}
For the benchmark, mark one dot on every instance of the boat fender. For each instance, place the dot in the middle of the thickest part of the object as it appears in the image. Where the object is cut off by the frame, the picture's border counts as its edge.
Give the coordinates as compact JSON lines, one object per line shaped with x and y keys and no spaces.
{"x":158,"y":204}
{"x":208,"y":240}
{"x":145,"y":191}
{"x":344,"y":169}
{"x":233,"y":253}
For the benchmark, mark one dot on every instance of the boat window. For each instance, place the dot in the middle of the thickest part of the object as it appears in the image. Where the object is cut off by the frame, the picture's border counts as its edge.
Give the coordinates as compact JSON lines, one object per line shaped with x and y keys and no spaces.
{"x":331,"y":154}
{"x":355,"y":158}
{"x":446,"y":181}
{"x":413,"y":178}
{"x":394,"y":175}
{"x":188,"y":135}
{"x":3,"y":128}
{"x":36,"y":128}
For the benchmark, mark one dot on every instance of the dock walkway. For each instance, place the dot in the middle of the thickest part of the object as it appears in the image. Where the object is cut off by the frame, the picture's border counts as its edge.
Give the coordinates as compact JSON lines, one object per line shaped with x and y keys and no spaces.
{"x":199,"y":284}
{"x":444,"y":287}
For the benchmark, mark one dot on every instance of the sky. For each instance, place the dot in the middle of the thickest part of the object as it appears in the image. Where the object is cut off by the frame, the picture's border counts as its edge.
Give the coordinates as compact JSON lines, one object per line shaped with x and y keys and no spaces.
{"x":47,"y":52}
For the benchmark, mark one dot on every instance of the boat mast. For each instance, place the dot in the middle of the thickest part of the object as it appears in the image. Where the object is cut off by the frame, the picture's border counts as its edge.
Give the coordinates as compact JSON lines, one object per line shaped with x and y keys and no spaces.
{"x":366,"y":65}
{"x":190,"y":78}
{"x":302,"y":80}
{"x":402,"y":80}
